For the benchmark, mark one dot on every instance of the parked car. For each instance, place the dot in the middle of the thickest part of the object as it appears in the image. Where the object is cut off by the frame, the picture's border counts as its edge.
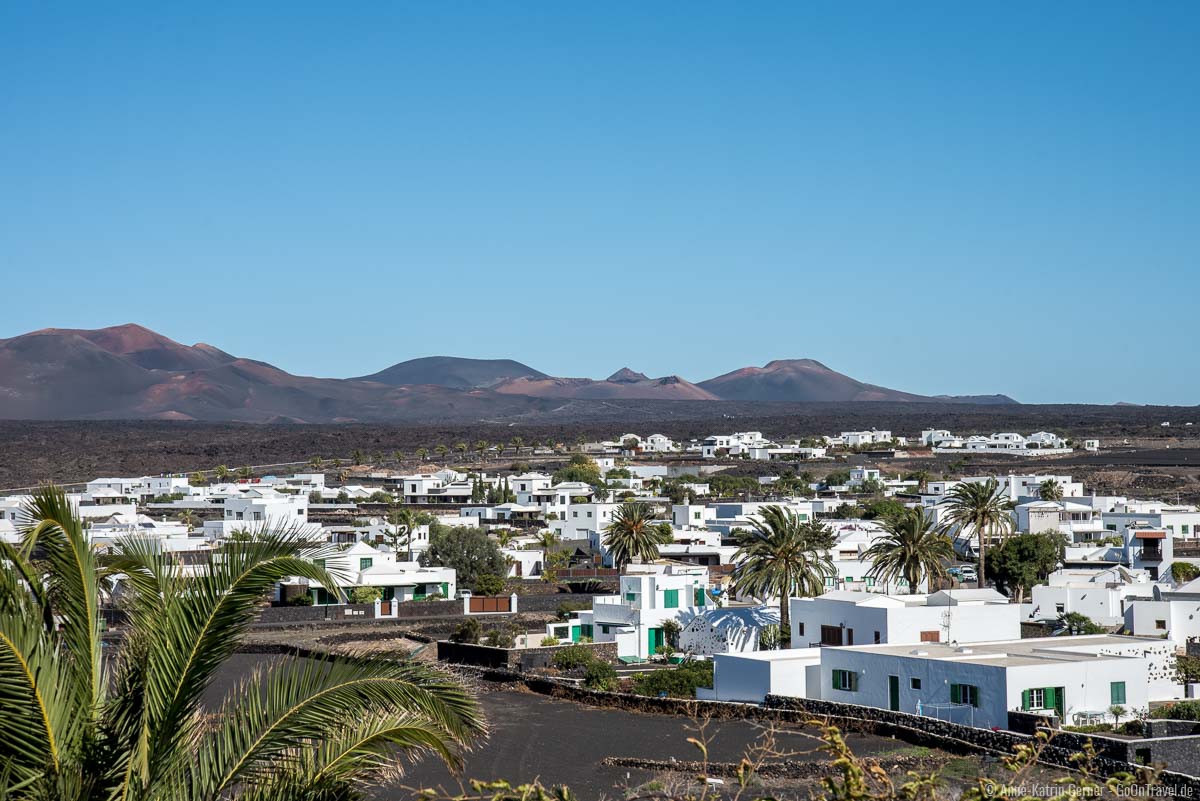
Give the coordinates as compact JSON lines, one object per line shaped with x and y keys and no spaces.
{"x":969,"y":573}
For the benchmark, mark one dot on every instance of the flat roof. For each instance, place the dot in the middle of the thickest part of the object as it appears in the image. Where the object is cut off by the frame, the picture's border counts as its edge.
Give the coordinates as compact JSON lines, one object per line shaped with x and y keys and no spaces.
{"x":1011,"y":653}
{"x":785,"y":655}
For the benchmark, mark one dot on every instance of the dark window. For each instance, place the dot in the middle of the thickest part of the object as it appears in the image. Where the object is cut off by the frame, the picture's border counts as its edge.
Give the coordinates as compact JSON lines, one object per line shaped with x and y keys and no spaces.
{"x":915,"y":683}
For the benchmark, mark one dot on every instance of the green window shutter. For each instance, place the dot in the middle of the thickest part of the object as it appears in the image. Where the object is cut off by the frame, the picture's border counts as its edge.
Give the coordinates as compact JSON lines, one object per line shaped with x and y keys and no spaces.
{"x":956,"y":693}
{"x":699,"y":597}
{"x":671,"y":599}
{"x":1024,"y":700}
{"x":631,"y":596}
{"x":365,"y":562}
{"x":1050,"y":694}
{"x":419,"y":592}
{"x":446,"y":588}
{"x":1116,"y":692}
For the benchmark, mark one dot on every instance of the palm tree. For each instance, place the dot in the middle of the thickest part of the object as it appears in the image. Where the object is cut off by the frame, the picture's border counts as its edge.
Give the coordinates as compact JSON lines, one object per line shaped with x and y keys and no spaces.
{"x":398,"y":456}
{"x":188,"y":518}
{"x":461,"y":447}
{"x":547,"y":539}
{"x":357,"y":456}
{"x":422,"y":453}
{"x":222,"y":473}
{"x":518,"y":443}
{"x":921,"y":477}
{"x":316,"y":463}
{"x":404,"y":521}
{"x":197,"y":479}
{"x":505,"y":536}
{"x":481,"y":446}
{"x":783,"y":556}
{"x":136,"y":725}
{"x":982,"y":507}
{"x":441,"y":451}
{"x":245,"y":473}
{"x":1050,"y":490}
{"x":911,"y":548}
{"x":633,"y":534}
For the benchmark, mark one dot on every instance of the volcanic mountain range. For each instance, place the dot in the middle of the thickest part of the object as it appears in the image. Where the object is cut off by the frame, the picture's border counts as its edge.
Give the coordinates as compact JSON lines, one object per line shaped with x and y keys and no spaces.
{"x":131,"y":372}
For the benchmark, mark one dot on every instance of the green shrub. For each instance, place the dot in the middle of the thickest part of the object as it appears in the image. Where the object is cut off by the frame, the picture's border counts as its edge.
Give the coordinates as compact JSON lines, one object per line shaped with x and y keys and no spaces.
{"x":573,"y":656}
{"x":678,"y":682}
{"x":488,"y":584}
{"x":467,"y":631}
{"x":1134,"y":728}
{"x":548,"y":641}
{"x":500,"y":638}
{"x":365,"y":595}
{"x":1184,"y":572}
{"x":1183,"y":710}
{"x":1094,"y":728}
{"x":301,"y":600}
{"x":600,"y":676}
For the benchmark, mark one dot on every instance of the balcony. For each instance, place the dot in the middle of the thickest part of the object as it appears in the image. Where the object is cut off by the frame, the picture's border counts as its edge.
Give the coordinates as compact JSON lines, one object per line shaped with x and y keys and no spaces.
{"x":1148,"y":554}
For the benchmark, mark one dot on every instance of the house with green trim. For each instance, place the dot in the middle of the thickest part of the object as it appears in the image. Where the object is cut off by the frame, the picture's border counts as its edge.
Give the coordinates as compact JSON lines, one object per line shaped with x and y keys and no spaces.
{"x":1076,"y":679}
{"x":361,"y":565}
{"x":651,"y":594}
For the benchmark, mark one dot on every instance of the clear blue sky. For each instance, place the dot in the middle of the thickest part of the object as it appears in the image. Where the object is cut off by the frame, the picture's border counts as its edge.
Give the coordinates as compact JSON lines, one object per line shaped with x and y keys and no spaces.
{"x":939,"y":197}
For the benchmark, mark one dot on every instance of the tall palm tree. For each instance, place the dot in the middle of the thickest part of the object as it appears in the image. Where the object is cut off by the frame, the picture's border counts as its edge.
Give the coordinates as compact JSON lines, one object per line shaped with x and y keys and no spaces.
{"x":197,"y":479}
{"x":547,"y":539}
{"x":980,"y":507}
{"x":441,"y":451}
{"x":422,"y":453}
{"x":921,"y":477}
{"x":518,"y":443}
{"x":481,"y":446}
{"x":912,"y":547}
{"x":136,"y":725}
{"x":245,"y":472}
{"x":783,"y":556}
{"x":222,"y":473}
{"x":404,"y":523}
{"x":1050,"y":490}
{"x":188,"y":518}
{"x":357,"y":456}
{"x":316,"y":462}
{"x":398,"y":456}
{"x":461,"y":447}
{"x":633,"y":534}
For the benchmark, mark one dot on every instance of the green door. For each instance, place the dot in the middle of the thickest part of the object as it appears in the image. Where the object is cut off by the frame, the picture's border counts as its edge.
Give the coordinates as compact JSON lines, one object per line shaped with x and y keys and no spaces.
{"x":894,"y":693}
{"x":574,"y":633}
{"x":654,"y":638}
